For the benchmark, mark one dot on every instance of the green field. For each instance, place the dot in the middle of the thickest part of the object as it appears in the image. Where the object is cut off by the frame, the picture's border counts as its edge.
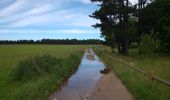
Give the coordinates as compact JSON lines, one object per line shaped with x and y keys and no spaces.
{"x":35,"y":89}
{"x":142,"y":87}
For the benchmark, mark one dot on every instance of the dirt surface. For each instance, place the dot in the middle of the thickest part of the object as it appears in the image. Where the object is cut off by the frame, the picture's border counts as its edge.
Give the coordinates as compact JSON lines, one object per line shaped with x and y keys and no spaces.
{"x":90,"y":57}
{"x":109,"y":87}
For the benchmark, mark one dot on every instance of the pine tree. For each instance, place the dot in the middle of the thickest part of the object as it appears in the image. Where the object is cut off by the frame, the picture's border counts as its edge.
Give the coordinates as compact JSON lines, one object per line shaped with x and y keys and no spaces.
{"x":114,"y":16}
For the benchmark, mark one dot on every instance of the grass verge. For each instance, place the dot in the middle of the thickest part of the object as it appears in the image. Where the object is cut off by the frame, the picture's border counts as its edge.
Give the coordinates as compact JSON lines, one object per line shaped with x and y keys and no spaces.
{"x":142,"y":87}
{"x":35,"y":87}
{"x":36,"y":82}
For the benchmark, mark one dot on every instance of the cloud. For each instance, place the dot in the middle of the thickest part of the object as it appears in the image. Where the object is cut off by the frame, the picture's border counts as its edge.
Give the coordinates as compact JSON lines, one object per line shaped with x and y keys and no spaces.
{"x":39,"y":10}
{"x":69,"y":31}
{"x":134,"y":1}
{"x":85,"y":1}
{"x":19,"y":5}
{"x":23,"y":16}
{"x":29,"y":6}
{"x":64,"y":17}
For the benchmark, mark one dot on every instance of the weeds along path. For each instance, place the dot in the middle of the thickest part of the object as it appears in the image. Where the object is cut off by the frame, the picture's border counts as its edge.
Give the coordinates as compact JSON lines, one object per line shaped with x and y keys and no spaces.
{"x":92,"y":81}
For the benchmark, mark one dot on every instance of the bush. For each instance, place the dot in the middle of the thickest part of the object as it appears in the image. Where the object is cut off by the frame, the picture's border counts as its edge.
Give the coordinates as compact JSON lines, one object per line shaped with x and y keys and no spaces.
{"x":35,"y":66}
{"x":54,"y":73}
{"x":149,"y":43}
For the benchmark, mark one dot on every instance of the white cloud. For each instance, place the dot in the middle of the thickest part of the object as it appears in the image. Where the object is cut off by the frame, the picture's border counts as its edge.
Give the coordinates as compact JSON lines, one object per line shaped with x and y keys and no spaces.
{"x":63,"y":17}
{"x":133,"y":1}
{"x":81,"y":20}
{"x":71,"y":31}
{"x":29,"y":6}
{"x":17,"y":6}
{"x":85,"y":1}
{"x":33,"y":20}
{"x":23,"y":14}
{"x":38,"y":10}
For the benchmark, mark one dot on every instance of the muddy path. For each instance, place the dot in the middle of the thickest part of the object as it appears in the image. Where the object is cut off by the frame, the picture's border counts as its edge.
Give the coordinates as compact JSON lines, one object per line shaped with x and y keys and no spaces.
{"x":89,"y":83}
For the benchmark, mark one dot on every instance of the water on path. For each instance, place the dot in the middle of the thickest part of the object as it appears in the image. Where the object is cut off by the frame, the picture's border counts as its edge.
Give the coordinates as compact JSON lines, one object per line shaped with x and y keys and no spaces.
{"x":85,"y":79}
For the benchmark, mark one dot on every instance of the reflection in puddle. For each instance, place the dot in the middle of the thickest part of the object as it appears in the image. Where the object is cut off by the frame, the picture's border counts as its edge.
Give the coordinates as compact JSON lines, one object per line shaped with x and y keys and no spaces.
{"x":85,"y":79}
{"x":90,"y":57}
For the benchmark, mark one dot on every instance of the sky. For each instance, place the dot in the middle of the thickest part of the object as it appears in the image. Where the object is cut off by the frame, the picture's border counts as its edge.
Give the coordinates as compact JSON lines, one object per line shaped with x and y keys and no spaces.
{"x":52,"y":19}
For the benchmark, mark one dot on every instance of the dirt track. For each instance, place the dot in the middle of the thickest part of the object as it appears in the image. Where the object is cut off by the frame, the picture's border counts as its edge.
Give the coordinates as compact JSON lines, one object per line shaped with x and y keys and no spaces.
{"x":109,"y":87}
{"x":89,"y":83}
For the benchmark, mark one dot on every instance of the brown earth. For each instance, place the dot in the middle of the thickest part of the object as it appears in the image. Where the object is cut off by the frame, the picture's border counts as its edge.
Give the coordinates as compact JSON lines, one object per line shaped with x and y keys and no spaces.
{"x":90,"y":57}
{"x":109,"y":87}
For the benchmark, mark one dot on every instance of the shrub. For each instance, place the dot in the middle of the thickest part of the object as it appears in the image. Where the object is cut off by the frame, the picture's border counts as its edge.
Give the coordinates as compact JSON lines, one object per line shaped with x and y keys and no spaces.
{"x":149,"y":43}
{"x":35,"y":66}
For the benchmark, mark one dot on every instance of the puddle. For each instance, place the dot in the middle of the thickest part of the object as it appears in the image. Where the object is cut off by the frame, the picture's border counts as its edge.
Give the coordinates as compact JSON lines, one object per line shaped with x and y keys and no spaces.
{"x":85,"y":79}
{"x":90,"y":57}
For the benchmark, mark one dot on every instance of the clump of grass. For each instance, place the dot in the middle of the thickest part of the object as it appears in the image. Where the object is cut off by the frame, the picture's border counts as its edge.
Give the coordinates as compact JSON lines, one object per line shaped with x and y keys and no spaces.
{"x":40,"y":87}
{"x":37,"y":77}
{"x":35,"y":66}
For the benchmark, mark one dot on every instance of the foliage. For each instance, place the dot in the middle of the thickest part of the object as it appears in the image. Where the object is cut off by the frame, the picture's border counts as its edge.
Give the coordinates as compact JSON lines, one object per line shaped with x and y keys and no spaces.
{"x":122,"y":23}
{"x":149,"y":43}
{"x":114,"y":17}
{"x":156,"y":16}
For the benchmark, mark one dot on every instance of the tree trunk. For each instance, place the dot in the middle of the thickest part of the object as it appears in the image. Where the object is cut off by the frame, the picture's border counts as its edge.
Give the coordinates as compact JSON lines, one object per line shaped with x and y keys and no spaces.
{"x":125,"y":46}
{"x":125,"y":39}
{"x":119,"y":47}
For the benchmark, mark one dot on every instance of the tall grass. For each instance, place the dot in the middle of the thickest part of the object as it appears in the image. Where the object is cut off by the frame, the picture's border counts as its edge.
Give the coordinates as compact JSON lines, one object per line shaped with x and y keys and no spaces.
{"x":36,"y":66}
{"x":35,"y":87}
{"x":36,"y":77}
{"x":142,"y":87}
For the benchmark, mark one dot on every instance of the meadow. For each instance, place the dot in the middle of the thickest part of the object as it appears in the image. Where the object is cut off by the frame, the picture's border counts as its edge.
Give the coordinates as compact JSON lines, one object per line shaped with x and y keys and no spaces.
{"x":141,"y":87}
{"x":37,"y":88}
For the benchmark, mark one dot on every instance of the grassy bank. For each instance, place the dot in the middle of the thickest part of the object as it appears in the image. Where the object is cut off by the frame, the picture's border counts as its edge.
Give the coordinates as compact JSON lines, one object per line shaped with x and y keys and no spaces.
{"x":35,"y":88}
{"x":139,"y":85}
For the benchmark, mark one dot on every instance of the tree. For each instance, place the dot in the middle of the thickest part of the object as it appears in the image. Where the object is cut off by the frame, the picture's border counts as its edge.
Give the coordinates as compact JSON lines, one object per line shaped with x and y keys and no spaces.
{"x":53,"y":41}
{"x":156,"y":16}
{"x":114,"y":18}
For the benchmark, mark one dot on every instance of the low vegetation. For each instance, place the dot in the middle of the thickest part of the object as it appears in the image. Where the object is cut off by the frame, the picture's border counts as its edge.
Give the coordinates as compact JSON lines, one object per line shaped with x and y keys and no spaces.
{"x":32,"y":72}
{"x":44,"y":76}
{"x":36,"y":66}
{"x":142,"y":87}
{"x":149,"y":44}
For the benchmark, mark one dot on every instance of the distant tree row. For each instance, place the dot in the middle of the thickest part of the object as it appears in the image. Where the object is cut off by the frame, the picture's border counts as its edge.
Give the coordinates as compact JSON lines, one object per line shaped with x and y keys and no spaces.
{"x":53,"y":41}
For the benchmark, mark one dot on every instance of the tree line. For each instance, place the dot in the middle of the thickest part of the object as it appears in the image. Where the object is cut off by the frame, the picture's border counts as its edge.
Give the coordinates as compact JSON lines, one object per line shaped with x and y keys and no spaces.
{"x":146,"y":24}
{"x":53,"y":41}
